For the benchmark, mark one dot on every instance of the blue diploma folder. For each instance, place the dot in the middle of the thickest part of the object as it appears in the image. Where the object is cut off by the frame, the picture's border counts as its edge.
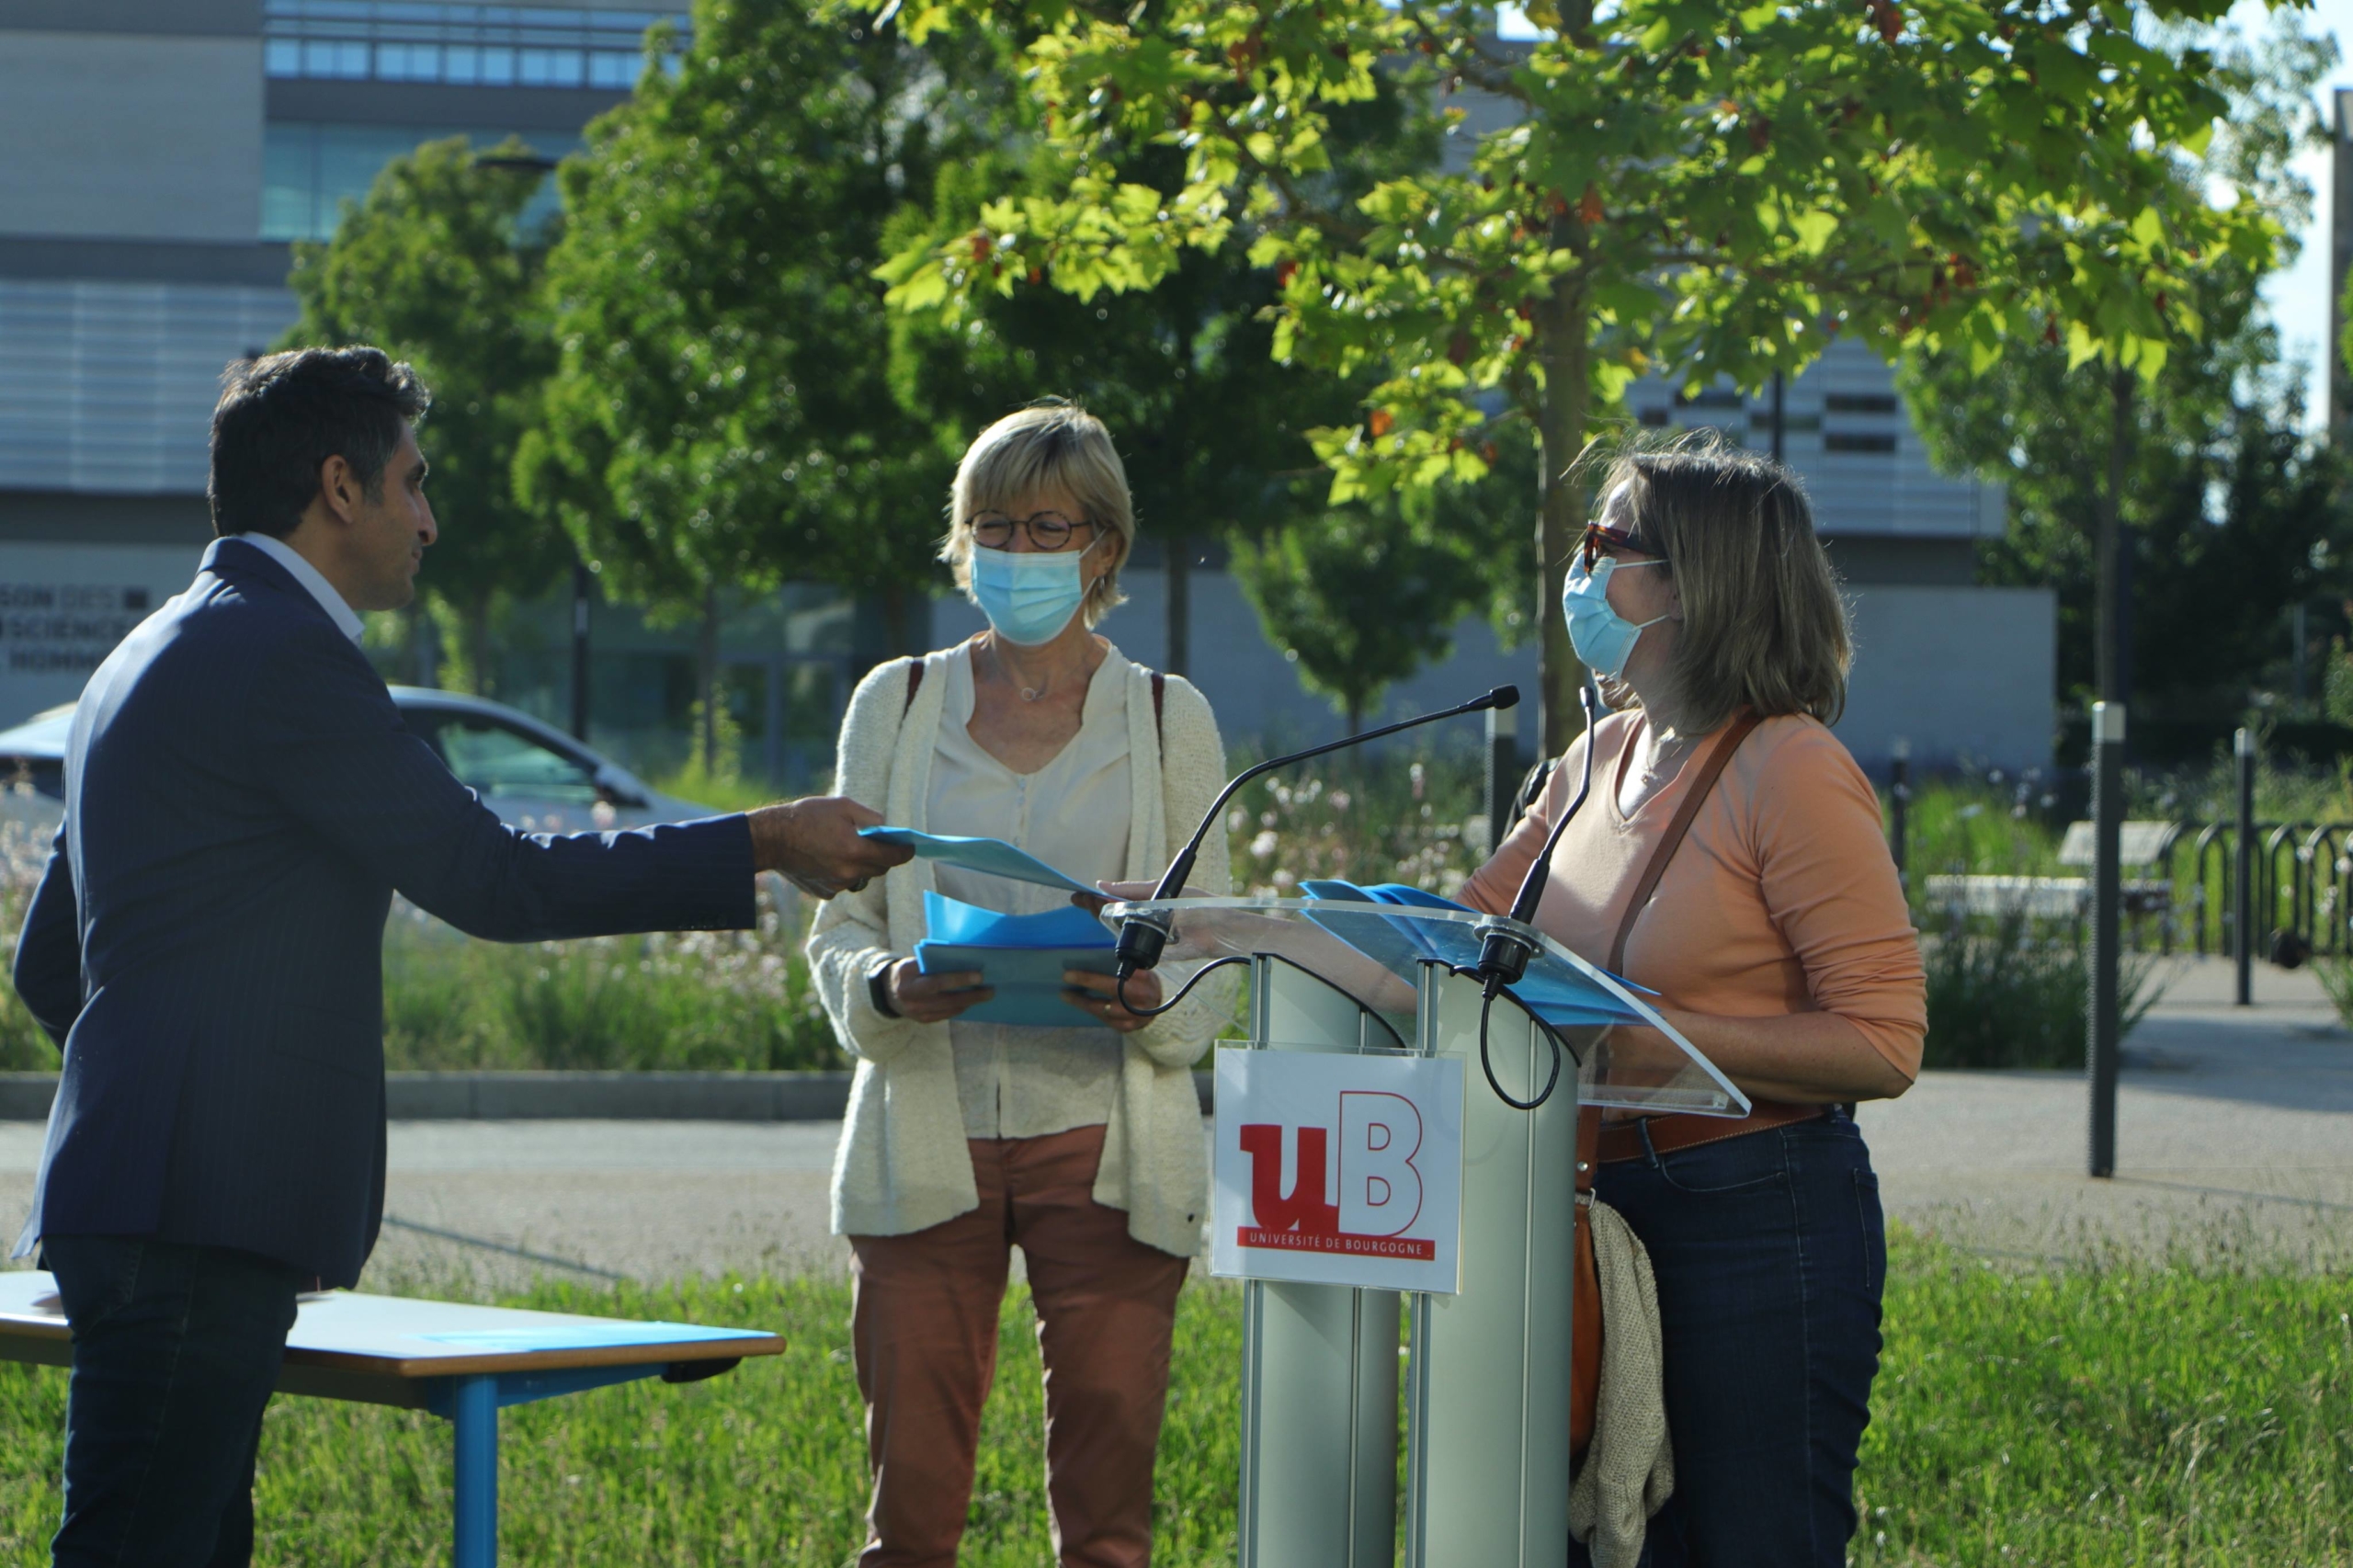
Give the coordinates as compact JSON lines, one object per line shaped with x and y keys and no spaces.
{"x":993,"y":856}
{"x":1023,"y":956}
{"x":1561,"y":1003}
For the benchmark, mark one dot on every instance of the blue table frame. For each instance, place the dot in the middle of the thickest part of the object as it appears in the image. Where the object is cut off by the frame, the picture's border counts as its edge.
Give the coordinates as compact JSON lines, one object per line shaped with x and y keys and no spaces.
{"x":460,"y":1362}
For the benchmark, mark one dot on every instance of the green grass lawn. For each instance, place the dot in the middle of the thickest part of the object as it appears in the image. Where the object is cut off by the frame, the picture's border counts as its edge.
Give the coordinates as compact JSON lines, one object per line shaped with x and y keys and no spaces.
{"x":2134,"y":1414}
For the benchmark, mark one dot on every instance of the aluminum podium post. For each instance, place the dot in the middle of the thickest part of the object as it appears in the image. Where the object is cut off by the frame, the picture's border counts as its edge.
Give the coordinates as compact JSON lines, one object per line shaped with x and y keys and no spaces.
{"x":1488,"y":1404}
{"x":1319,"y":1375}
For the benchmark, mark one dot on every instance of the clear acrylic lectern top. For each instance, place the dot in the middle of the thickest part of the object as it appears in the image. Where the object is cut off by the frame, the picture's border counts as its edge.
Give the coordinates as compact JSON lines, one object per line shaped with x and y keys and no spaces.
{"x":1375,"y":952}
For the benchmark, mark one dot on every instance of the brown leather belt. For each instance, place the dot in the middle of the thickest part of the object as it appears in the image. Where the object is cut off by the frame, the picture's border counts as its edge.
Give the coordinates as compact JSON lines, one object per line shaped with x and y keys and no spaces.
{"x":1625,"y":1140}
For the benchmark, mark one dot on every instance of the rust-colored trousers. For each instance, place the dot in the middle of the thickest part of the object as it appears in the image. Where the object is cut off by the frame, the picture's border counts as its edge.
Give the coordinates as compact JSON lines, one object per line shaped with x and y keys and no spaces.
{"x":925,"y":1329}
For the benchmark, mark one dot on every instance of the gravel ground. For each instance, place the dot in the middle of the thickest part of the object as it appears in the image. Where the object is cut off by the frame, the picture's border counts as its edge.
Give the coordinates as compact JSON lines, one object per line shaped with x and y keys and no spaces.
{"x":2235,"y":1139}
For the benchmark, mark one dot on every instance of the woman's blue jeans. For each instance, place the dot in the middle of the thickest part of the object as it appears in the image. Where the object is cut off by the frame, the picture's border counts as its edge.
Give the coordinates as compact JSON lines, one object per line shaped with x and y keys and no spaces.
{"x":1770,"y":1252}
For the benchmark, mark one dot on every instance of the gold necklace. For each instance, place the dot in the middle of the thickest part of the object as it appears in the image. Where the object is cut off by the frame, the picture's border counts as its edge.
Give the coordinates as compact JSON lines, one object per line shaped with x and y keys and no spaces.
{"x":1657,"y":771}
{"x":1028,"y":693}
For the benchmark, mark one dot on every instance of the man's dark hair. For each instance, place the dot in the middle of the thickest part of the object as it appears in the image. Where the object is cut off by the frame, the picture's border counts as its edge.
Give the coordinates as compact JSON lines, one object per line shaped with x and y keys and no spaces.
{"x":282,"y":416}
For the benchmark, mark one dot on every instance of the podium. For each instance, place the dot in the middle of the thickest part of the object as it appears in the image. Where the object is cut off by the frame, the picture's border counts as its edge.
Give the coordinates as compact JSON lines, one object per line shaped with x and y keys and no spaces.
{"x":1486,"y":1375}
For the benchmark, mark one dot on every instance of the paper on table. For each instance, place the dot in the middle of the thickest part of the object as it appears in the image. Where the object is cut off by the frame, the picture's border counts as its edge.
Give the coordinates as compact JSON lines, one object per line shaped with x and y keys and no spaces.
{"x":583,"y":1335}
{"x":1022,"y":956}
{"x":994,"y":857}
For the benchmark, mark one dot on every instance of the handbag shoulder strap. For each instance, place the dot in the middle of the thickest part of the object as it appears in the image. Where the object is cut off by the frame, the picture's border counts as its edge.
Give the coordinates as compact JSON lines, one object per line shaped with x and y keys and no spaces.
{"x":1712,"y":767}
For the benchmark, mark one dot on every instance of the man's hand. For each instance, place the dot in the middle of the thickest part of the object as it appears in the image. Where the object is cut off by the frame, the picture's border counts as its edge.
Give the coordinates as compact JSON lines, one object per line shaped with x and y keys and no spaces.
{"x":815,"y":844}
{"x":934,"y":998}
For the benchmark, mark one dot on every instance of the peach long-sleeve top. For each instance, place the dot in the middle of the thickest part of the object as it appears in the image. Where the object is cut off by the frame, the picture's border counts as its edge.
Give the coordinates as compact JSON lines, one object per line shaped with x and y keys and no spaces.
{"x":1782,"y":898}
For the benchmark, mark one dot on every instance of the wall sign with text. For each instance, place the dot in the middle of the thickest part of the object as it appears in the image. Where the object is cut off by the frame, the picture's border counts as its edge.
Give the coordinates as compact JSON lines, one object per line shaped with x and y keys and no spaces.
{"x":1335,"y":1169}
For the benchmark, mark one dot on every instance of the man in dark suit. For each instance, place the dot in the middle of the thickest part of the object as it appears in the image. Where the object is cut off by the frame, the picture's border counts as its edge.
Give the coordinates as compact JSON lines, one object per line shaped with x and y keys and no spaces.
{"x":242,"y":799}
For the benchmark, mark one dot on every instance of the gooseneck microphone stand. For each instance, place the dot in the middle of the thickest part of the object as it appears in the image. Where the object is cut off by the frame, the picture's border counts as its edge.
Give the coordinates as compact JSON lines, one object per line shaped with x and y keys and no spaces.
{"x":1142,"y":938}
{"x":1504,"y":950}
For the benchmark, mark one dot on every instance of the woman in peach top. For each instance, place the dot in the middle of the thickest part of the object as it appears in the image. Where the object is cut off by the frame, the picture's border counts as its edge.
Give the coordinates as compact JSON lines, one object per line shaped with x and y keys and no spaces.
{"x":1779,"y":942}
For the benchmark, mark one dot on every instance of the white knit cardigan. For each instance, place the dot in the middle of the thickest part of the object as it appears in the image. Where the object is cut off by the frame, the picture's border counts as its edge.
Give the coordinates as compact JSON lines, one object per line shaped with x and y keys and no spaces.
{"x":901,"y":1166}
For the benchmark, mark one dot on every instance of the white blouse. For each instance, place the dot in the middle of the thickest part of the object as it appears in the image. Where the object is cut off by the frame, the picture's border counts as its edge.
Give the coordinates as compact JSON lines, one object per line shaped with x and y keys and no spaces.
{"x":1016,"y":1082}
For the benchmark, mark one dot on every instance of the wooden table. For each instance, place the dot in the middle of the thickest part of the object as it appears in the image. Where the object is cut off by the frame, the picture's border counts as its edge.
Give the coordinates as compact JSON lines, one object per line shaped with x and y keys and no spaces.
{"x":463,"y":1363}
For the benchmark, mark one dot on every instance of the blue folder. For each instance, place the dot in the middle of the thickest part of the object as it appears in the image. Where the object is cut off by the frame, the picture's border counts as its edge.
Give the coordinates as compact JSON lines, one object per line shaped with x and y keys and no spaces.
{"x":993,"y":856}
{"x":1022,"y":956}
{"x":1559,"y":1000}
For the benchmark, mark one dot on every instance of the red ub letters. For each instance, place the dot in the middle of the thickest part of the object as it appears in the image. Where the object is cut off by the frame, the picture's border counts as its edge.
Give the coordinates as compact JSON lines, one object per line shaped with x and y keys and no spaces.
{"x":1376,"y":1188}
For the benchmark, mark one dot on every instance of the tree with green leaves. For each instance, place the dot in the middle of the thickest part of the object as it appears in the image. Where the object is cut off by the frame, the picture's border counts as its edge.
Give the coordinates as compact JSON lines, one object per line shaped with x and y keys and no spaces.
{"x":1676,"y":185}
{"x":434,"y":268}
{"x":1212,"y":427}
{"x":1358,"y":597}
{"x":2220,"y":515}
{"x":722,"y":417}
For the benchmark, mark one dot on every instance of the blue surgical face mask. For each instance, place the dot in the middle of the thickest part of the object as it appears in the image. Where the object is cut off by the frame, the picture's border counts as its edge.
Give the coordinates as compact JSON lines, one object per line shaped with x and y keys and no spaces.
{"x":1603,"y":639}
{"x":1029,"y":596}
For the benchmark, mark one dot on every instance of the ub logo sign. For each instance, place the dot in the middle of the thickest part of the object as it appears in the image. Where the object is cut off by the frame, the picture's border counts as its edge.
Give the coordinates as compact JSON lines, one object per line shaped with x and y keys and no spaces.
{"x":1338,"y":1169}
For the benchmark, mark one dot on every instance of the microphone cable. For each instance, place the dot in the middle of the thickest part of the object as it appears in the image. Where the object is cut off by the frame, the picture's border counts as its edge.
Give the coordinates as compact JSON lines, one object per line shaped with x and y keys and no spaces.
{"x":1504,"y":957}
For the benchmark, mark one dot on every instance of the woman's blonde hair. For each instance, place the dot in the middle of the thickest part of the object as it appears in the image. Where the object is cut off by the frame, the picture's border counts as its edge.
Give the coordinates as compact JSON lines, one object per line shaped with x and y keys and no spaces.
{"x":1050,"y":445}
{"x":1764,"y":626}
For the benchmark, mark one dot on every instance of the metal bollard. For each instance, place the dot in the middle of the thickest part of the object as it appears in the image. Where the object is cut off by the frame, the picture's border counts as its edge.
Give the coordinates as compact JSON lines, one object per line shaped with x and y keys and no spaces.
{"x":1899,"y":810}
{"x":1503,"y":772}
{"x":2243,"y":892}
{"x":2108,"y":819}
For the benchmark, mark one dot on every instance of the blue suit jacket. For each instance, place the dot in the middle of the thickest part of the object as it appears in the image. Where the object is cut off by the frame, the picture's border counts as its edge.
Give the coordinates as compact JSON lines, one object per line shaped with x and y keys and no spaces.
{"x":241,"y":799}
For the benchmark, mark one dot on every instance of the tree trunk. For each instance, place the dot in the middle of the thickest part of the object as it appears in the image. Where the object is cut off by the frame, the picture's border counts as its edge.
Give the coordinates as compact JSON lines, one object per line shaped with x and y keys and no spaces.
{"x":2109,"y":652}
{"x":892,"y":601}
{"x":1561,"y":323}
{"x":420,"y":645}
{"x":707,"y":675}
{"x":1180,"y":554}
{"x":478,"y":646}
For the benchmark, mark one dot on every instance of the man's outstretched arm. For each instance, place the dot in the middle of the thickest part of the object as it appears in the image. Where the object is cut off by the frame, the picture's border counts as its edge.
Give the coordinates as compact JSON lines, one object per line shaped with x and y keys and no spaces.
{"x":348,"y":766}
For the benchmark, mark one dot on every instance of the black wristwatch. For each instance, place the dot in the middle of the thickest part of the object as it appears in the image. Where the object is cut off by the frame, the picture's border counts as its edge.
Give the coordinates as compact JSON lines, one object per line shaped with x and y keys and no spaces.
{"x":878,"y":987}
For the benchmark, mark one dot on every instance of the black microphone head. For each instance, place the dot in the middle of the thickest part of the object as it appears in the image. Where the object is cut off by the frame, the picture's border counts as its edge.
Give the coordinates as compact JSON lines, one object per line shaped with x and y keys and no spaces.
{"x":1502,"y":696}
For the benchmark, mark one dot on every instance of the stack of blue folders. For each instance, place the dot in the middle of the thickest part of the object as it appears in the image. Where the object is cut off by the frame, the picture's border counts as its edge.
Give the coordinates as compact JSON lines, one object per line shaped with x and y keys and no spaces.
{"x":1022,"y":956}
{"x":1562,"y":995}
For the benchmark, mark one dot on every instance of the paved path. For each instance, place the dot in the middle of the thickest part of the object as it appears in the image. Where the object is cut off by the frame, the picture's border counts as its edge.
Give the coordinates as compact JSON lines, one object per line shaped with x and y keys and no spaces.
{"x":2236,"y":1136}
{"x":468,"y":1200}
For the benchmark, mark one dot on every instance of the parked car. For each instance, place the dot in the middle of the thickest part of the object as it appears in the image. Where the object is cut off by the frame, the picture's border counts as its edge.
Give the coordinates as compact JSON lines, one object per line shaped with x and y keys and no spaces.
{"x":533,"y":775}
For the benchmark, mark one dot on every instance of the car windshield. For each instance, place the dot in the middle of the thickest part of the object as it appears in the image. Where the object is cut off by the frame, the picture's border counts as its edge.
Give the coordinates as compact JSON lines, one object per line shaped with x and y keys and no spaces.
{"x":492,"y":760}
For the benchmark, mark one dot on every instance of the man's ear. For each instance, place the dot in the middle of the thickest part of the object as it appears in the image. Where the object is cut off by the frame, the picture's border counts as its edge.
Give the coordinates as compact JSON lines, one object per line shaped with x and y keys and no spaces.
{"x":339,"y":488}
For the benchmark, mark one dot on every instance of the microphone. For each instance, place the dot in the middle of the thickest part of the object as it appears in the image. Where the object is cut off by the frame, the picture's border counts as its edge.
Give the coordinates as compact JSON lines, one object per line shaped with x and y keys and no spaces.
{"x":1504,"y":955}
{"x":1143,"y":936}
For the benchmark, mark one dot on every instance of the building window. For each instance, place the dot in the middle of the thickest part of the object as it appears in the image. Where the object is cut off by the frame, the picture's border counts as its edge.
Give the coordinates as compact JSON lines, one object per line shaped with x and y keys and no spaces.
{"x":309,"y":171}
{"x":1859,"y":403}
{"x":1856,"y":441}
{"x":463,"y":45}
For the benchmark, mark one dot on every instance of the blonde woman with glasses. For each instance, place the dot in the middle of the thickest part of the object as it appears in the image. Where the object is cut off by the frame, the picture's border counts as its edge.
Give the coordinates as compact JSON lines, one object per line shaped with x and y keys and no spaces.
{"x":1777,"y":938}
{"x":1081,"y":1144}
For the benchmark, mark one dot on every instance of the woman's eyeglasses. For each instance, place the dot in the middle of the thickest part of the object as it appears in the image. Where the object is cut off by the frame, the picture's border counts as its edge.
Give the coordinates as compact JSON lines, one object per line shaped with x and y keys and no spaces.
{"x":1047,"y":531}
{"x":1598,"y":538}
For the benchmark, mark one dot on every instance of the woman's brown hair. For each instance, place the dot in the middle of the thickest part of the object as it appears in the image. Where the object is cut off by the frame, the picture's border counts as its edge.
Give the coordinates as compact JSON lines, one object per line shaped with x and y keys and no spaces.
{"x":1764,"y":626}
